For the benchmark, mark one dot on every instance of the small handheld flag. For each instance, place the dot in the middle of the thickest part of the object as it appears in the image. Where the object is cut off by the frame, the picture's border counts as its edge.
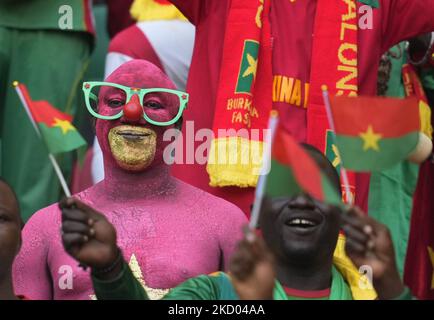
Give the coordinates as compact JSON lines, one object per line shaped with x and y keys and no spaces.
{"x":53,"y":127}
{"x":349,"y":199}
{"x":374,"y":133}
{"x":292,"y":172}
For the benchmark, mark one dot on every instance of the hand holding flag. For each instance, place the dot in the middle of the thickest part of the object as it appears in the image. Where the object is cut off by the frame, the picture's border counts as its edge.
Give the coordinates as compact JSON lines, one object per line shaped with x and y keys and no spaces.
{"x":53,"y":127}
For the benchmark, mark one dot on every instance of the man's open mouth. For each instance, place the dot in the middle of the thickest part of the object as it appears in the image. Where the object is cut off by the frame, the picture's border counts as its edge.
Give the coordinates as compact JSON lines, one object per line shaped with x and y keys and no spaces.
{"x":301,"y":223}
{"x":133,"y":132}
{"x":304,"y":222}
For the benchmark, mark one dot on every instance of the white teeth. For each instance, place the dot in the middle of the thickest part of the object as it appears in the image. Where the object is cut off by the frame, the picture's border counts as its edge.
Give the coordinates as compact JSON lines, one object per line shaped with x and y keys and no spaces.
{"x":302,"y":222}
{"x":307,"y":222}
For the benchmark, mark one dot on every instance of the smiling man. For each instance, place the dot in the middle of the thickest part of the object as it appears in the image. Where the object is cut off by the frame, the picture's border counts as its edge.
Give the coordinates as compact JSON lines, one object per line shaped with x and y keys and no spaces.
{"x":10,"y":239}
{"x":301,"y":233}
{"x":168,"y":231}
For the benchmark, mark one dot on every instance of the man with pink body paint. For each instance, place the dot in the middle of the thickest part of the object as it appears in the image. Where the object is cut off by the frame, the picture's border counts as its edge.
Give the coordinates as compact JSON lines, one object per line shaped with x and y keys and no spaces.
{"x":168,"y":231}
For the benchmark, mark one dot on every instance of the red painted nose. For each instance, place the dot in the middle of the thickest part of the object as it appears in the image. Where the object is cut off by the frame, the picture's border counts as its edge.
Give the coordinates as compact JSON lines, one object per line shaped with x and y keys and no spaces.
{"x":133,"y":110}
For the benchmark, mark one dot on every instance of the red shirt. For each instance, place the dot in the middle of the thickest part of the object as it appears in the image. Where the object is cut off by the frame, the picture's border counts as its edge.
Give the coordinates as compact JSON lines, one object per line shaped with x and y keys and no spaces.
{"x":292,"y":27}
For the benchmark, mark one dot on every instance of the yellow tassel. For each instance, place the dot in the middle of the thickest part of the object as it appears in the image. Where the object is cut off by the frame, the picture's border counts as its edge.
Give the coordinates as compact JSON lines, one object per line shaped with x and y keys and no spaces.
{"x":234,"y":161}
{"x":359,"y":284}
{"x":150,"y":10}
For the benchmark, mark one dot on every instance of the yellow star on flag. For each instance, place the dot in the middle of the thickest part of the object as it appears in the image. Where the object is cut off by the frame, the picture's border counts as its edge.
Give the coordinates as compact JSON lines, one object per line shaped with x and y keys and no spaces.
{"x":370,"y":139}
{"x":431,"y":256}
{"x":253,"y":65}
{"x":64,"y":125}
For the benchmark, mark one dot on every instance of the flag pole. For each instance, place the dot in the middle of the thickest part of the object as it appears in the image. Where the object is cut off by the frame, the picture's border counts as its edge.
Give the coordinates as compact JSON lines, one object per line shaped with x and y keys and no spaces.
{"x":59,"y":175}
{"x":325,"y":94}
{"x":266,"y":162}
{"x":35,"y":126}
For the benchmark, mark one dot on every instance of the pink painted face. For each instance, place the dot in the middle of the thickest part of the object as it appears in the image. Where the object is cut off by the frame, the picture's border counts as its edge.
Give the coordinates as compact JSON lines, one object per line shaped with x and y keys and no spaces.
{"x":131,"y":142}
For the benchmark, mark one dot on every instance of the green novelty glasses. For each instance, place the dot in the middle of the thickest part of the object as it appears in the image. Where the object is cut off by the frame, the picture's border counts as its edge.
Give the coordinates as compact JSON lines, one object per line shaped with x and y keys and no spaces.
{"x":161,"y":107}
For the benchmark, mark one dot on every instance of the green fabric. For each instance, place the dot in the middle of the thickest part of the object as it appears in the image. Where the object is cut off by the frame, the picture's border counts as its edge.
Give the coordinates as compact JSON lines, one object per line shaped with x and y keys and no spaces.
{"x":390,"y":202}
{"x":51,"y":64}
{"x":213,"y":287}
{"x":40,"y":14}
{"x":391,"y":191}
{"x":372,"y":3}
{"x":427,"y":78}
{"x":338,"y":291}
{"x":58,"y":142}
{"x":124,"y":287}
{"x":406,"y":295}
{"x":281,"y":182}
{"x":394,"y":149}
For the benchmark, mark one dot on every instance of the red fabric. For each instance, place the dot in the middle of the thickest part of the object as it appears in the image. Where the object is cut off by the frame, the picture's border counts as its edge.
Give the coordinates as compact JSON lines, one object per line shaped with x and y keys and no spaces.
{"x":419,"y":269}
{"x":419,"y":264}
{"x":397,"y":117}
{"x":306,"y":172}
{"x":412,"y":83}
{"x":335,"y":28}
{"x":133,"y":42}
{"x":42,"y":111}
{"x":88,"y":19}
{"x":396,"y":20}
{"x":331,"y":36}
{"x":119,"y":16}
{"x":241,"y":26}
{"x":244,"y":93}
{"x":307,"y":294}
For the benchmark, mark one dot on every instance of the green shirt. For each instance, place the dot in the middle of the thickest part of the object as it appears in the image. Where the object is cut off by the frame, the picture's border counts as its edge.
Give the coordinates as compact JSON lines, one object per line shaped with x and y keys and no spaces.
{"x":47,"y":14}
{"x":427,"y":78}
{"x":206,"y":287}
{"x":213,"y":287}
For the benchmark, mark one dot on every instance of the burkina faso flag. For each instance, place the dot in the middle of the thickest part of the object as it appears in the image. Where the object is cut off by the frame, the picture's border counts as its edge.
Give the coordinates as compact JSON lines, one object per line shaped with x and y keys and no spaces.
{"x":53,"y":126}
{"x":375,"y":133}
{"x":293,"y":171}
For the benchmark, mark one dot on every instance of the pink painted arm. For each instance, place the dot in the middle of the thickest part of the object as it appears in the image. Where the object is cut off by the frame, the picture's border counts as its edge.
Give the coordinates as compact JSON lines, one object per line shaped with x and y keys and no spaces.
{"x":30,"y":271}
{"x":230,"y":233}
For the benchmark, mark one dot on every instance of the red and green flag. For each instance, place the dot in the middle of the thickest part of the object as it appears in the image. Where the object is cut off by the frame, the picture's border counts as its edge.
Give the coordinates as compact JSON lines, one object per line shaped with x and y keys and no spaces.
{"x":53,"y":126}
{"x":293,"y":171}
{"x":375,"y":133}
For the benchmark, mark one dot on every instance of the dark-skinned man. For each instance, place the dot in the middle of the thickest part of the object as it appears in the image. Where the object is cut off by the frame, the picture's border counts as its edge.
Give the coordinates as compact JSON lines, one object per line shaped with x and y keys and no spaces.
{"x":10,"y":239}
{"x":300,"y":232}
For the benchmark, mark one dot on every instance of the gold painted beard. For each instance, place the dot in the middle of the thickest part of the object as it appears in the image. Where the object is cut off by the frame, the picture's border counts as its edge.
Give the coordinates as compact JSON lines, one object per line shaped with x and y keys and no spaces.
{"x":132,"y":147}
